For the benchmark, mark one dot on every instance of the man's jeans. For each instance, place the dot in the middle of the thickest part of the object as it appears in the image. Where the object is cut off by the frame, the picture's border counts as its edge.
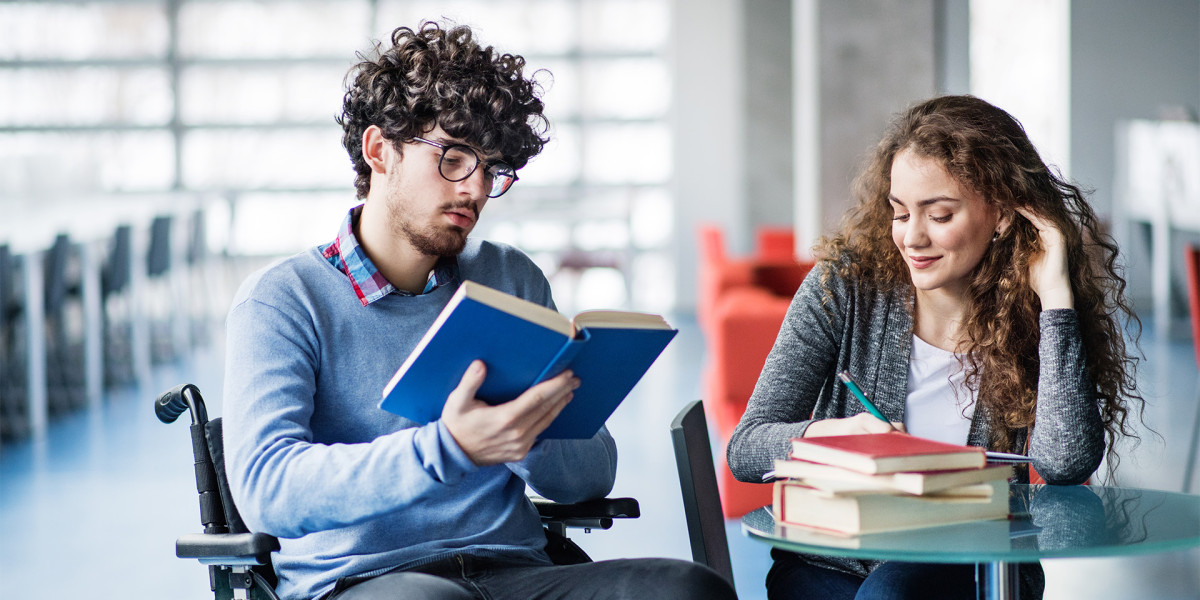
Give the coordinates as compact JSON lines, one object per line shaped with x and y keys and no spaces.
{"x":463,"y":577}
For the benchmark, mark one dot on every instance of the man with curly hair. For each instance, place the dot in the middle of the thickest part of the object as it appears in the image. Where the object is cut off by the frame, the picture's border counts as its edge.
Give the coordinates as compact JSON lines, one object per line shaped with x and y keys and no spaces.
{"x":370,"y":505}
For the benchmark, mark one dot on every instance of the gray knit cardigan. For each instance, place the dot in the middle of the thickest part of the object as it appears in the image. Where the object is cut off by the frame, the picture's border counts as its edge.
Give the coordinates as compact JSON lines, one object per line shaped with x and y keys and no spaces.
{"x":869,"y":333}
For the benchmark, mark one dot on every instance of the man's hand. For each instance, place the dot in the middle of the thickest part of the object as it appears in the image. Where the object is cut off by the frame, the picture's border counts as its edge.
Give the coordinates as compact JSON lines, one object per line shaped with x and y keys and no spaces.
{"x":860,"y":423}
{"x":491,"y":435}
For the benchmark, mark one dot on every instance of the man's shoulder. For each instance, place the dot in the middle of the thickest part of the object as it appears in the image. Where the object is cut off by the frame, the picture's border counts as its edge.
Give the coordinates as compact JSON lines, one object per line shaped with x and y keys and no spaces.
{"x":484,"y":255}
{"x":504,"y":267}
{"x":284,"y":277}
{"x":489,"y":250}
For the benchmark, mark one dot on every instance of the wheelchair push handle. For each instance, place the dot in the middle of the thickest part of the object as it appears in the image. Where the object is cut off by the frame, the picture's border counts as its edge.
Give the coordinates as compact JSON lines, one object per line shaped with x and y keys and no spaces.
{"x":168,"y":407}
{"x":177,"y":400}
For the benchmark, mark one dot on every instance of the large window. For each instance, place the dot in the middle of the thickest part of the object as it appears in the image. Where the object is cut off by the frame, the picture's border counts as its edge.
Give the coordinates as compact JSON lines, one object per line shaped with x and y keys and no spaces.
{"x":234,"y":101}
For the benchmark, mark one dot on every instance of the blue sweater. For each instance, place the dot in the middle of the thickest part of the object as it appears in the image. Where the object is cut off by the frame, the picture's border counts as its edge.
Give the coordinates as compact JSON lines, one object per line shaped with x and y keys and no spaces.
{"x":352,"y":489}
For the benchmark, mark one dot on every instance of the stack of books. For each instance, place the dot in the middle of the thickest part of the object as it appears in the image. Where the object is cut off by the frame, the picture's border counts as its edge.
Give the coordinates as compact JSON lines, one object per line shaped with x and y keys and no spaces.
{"x":859,"y":484}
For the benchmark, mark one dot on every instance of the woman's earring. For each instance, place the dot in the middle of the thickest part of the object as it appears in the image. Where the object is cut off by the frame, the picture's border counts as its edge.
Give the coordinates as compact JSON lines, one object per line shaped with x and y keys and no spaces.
{"x":996,"y":236}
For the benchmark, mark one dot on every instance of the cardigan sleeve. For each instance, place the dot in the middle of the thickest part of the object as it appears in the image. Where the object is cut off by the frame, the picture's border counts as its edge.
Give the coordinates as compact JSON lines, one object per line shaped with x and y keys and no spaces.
{"x":1067,"y":441}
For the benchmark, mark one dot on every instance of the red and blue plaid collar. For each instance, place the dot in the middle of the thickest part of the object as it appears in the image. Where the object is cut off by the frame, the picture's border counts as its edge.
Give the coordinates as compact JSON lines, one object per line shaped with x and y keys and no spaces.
{"x":369,"y":285}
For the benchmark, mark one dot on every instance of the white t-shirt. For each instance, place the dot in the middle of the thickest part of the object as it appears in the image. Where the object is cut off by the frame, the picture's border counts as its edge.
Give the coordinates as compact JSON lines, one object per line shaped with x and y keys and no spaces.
{"x":939,"y":405}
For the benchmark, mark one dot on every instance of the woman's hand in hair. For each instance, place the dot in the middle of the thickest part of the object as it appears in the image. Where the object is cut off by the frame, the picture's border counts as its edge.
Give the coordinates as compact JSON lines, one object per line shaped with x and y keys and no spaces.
{"x":1048,"y":268}
{"x":860,"y":423}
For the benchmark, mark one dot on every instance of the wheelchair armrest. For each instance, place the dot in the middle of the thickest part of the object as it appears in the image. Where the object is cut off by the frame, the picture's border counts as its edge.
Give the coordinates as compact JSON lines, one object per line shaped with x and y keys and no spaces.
{"x":231,"y":549}
{"x":589,"y":514}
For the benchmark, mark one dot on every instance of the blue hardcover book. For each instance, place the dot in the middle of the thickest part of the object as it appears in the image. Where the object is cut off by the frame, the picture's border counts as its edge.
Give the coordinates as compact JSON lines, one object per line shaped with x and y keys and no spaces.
{"x":522,"y":344}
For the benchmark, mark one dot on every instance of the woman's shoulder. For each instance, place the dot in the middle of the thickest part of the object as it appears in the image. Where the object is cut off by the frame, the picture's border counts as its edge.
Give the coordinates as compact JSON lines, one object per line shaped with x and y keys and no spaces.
{"x":842,"y":276}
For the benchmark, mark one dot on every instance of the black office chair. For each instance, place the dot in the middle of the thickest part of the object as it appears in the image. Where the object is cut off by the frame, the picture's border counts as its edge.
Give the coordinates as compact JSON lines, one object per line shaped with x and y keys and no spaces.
{"x":701,"y":498}
{"x":14,"y":405}
{"x":116,"y":308}
{"x":239,"y":561}
{"x":159,"y":303}
{"x":66,"y":390}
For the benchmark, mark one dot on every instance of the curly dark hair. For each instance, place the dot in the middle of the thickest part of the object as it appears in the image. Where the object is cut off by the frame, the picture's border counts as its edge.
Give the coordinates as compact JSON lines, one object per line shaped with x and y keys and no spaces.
{"x":435,"y":76}
{"x":987,"y":150}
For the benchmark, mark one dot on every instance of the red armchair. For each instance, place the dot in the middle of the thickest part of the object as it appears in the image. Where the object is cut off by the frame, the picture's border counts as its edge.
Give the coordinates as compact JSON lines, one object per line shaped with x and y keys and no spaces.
{"x":740,"y":308}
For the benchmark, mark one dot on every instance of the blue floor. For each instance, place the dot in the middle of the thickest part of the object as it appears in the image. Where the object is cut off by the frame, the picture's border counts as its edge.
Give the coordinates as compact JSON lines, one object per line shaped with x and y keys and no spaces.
{"x":92,"y":510}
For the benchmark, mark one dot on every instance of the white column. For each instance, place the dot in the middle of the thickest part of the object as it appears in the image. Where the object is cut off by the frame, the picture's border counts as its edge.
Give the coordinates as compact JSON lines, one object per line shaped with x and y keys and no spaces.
{"x":856,"y":64}
{"x":35,"y":341}
{"x":706,"y":130}
{"x":93,"y":323}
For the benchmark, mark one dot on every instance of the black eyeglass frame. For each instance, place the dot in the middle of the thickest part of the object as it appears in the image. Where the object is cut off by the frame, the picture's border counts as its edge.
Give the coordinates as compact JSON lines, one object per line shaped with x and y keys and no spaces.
{"x":490,"y":167}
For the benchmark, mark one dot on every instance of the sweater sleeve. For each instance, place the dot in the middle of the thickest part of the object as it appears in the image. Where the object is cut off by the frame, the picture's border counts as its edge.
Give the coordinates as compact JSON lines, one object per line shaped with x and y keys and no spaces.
{"x":1067,"y":442}
{"x":567,"y":470}
{"x":282,"y":482}
{"x":571,"y":470}
{"x":786,"y":393}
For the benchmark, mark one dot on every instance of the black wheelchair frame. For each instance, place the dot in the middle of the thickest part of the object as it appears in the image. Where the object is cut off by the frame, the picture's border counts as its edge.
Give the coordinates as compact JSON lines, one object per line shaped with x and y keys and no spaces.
{"x":239,"y":561}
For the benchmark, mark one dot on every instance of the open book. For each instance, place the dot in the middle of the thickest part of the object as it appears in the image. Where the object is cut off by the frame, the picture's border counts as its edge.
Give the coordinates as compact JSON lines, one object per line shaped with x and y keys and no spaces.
{"x":522,"y":344}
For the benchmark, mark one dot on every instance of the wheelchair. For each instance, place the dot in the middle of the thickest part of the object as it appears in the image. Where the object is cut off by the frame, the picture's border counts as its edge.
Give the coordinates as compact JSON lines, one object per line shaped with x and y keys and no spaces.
{"x":239,"y":561}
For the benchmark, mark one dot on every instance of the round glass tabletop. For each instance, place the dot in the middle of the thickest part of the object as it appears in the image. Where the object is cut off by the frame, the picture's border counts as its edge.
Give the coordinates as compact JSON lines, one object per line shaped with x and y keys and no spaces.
{"x":1047,"y":521}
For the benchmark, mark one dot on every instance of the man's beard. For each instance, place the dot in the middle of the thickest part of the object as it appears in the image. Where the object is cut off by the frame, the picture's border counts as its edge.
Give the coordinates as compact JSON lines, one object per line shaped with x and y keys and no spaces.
{"x":430,"y":241}
{"x":433,"y":243}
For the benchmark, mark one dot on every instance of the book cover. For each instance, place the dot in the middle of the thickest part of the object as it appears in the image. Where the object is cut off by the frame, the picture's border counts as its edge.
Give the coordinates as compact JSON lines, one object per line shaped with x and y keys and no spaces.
{"x":522,"y":344}
{"x":855,"y":514}
{"x":889,"y":452}
{"x":832,"y":478}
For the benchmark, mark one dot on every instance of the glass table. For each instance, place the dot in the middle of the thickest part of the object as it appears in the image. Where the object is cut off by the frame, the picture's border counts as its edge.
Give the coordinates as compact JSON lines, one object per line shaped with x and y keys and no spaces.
{"x":1046,"y":521}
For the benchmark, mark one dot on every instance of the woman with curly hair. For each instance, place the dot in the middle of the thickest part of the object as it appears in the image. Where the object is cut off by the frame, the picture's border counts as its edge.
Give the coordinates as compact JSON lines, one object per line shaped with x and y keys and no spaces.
{"x":975,"y":298}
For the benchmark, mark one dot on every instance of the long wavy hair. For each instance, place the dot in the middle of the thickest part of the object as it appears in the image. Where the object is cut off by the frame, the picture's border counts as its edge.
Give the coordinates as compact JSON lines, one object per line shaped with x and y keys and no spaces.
{"x":435,"y":76}
{"x":987,"y":150}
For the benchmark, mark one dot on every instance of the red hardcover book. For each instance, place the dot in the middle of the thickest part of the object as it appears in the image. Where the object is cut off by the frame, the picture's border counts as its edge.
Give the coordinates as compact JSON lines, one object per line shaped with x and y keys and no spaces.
{"x":890,"y":452}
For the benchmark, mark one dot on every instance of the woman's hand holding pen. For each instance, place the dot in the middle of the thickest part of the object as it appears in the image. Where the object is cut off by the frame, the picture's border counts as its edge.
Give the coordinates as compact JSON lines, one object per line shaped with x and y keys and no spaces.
{"x":1048,"y":274}
{"x":860,"y":423}
{"x":871,"y":421}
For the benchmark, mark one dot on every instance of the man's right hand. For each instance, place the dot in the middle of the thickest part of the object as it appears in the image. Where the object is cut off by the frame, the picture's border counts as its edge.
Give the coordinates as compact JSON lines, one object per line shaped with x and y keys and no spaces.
{"x":505,"y":432}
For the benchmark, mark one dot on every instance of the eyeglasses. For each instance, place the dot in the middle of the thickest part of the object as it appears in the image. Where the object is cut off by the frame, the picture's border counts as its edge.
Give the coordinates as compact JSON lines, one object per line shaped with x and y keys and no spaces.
{"x":459,"y":161}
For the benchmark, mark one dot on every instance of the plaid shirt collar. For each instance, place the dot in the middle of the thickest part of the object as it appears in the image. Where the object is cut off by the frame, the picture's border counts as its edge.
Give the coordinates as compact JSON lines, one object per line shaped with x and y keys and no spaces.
{"x":369,"y":285}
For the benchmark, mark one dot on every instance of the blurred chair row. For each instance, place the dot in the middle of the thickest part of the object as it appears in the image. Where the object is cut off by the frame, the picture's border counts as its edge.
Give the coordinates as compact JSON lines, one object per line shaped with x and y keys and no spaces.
{"x":91,"y":312}
{"x":740,"y":307}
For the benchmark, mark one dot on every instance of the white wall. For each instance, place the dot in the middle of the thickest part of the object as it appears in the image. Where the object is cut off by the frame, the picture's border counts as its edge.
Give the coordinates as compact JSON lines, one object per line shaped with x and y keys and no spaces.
{"x":706,"y":128}
{"x":1129,"y":60}
{"x":869,"y":60}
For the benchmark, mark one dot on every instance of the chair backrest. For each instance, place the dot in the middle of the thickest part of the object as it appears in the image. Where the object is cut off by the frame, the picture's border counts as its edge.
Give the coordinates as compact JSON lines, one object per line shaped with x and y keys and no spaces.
{"x":8,"y":287}
{"x":158,"y":256}
{"x":115,"y":275}
{"x":698,"y":482}
{"x":1192,"y":261}
{"x":216,"y":451}
{"x":58,"y":274}
{"x":712,"y":243}
{"x":774,"y":243}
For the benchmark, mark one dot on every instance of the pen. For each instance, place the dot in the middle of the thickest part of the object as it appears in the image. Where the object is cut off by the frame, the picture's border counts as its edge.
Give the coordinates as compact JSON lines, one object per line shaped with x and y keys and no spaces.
{"x":858,"y":393}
